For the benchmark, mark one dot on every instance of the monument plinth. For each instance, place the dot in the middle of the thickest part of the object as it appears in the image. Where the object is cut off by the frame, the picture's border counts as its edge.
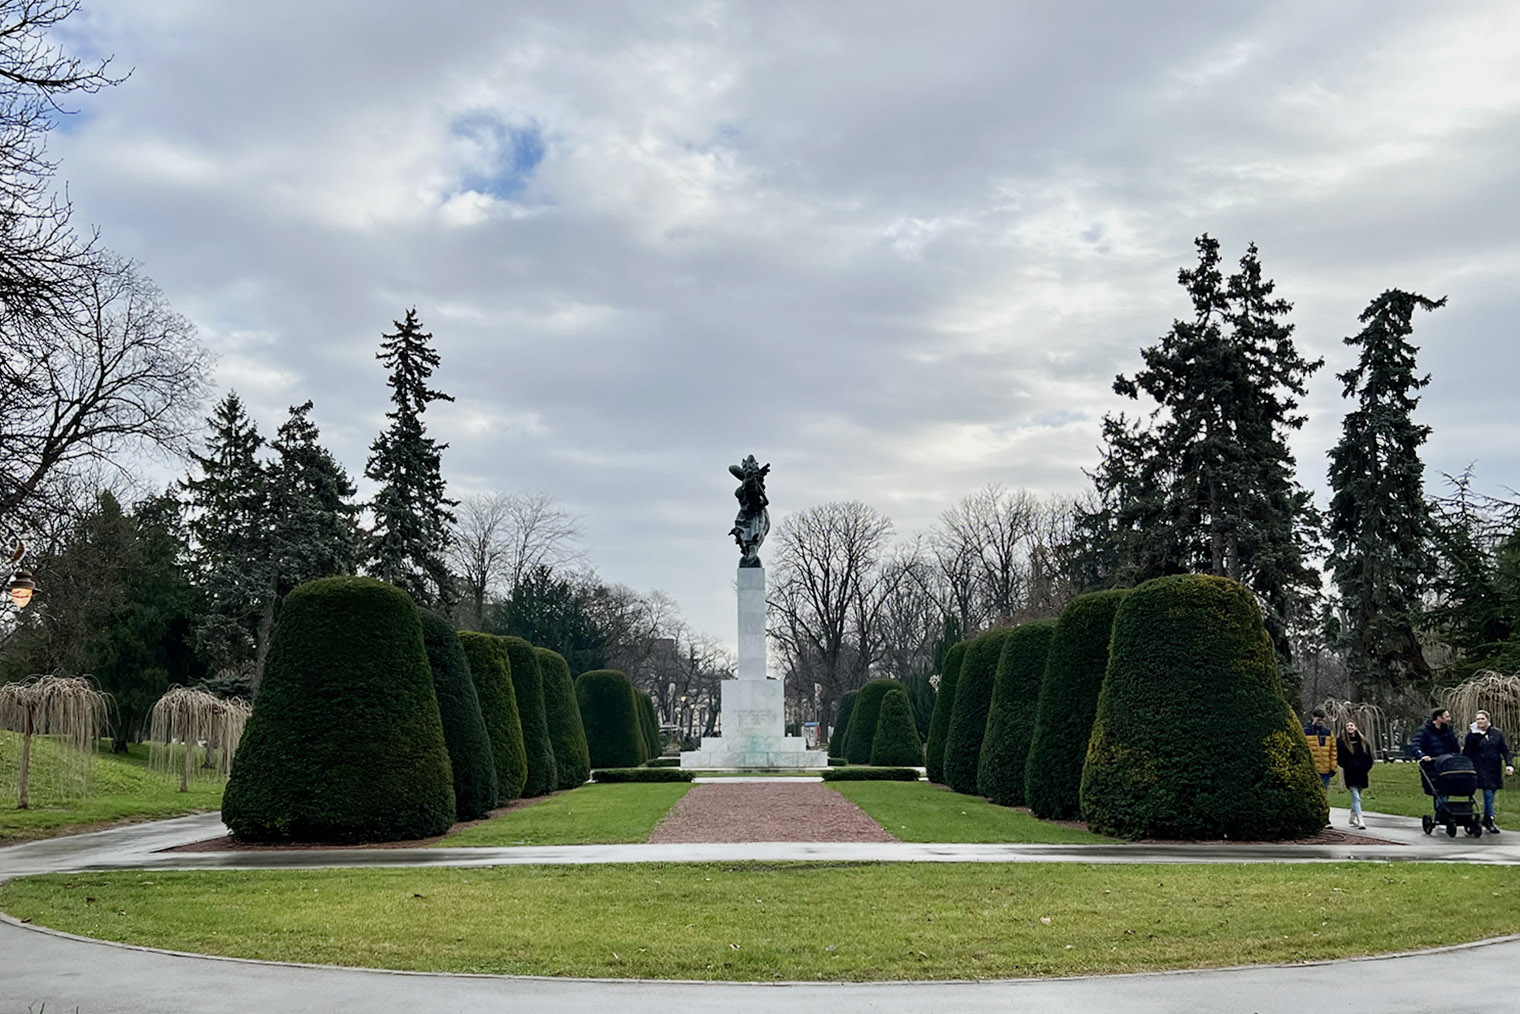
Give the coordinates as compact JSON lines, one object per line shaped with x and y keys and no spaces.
{"x":753,"y":707}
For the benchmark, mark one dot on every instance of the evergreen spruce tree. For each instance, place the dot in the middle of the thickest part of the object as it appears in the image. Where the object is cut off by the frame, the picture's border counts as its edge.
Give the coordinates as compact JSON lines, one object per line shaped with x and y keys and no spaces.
{"x":412,"y":515}
{"x":227,"y":505}
{"x":1379,"y":523}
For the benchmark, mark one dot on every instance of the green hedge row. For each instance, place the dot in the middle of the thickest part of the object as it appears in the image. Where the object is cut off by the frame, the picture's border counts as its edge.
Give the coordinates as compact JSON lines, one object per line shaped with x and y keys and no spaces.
{"x":464,"y":728}
{"x":973,"y":699}
{"x":567,"y":736}
{"x":862,"y":733}
{"x":663,"y":762}
{"x":641,"y":775}
{"x":528,"y":683}
{"x":611,"y":719}
{"x":841,"y":734}
{"x":944,"y":704}
{"x":870,"y":774}
{"x":486,"y":656}
{"x":896,"y":742}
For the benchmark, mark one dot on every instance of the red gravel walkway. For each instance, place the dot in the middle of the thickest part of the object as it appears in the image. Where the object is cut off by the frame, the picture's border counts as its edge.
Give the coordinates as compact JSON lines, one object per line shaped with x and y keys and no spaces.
{"x":756,"y":811}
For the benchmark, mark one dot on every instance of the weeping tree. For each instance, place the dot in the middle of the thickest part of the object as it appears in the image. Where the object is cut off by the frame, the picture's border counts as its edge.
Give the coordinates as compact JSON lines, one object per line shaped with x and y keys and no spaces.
{"x":197,"y":720}
{"x":1489,"y":691}
{"x":68,"y":708}
{"x":1371,"y":721}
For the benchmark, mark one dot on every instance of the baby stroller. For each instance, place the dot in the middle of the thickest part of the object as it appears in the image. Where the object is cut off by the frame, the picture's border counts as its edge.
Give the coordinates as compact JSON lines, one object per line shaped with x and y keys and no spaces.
{"x":1449,"y":776}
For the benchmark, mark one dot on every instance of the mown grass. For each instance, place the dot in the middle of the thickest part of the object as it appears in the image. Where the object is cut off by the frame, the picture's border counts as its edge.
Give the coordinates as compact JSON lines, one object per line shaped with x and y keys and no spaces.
{"x":1395,"y":788}
{"x":755,"y":922}
{"x":596,"y":814}
{"x":922,"y":812}
{"x":121,"y":789}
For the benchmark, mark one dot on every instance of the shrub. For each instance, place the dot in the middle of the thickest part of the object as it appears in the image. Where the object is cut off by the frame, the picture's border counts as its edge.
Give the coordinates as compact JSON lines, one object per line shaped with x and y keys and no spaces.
{"x":490,"y":672}
{"x":663,"y":762}
{"x":641,"y":775}
{"x":1010,"y":716}
{"x":1193,"y":738}
{"x":567,"y":737}
{"x":857,"y":749}
{"x":464,"y":728}
{"x":944,"y":703}
{"x":613,"y":737}
{"x":345,"y":743}
{"x":838,"y":762}
{"x":1068,"y":701}
{"x":896,"y":741}
{"x":842,"y":724}
{"x":968,"y":720}
{"x":855,"y":774}
{"x":528,"y":684}
{"x":649,"y":725}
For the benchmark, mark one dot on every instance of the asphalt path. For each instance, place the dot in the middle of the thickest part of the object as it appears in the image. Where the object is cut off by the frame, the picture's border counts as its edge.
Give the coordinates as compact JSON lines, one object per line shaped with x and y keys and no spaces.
{"x":39,"y":967}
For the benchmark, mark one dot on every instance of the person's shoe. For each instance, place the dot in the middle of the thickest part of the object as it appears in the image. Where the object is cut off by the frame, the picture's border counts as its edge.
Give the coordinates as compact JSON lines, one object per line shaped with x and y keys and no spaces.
{"x":1489,"y":826}
{"x":1361,"y":825}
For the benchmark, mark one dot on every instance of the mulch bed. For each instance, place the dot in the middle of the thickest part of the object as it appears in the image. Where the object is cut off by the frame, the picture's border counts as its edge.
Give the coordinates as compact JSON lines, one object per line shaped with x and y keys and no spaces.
{"x":227,"y":843}
{"x":755,"y":811}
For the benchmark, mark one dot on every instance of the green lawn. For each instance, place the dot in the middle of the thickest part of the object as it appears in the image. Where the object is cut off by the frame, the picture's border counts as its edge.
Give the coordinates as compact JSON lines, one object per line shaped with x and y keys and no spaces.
{"x":753,"y":921}
{"x":920,"y":811}
{"x":595,"y":814}
{"x":1395,"y":788}
{"x":122,"y":790}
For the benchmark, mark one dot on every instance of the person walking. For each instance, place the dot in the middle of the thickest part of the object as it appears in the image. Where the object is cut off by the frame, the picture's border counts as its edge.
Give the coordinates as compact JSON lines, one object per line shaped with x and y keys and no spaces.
{"x":1354,"y":755}
{"x":1321,"y":741}
{"x":1489,"y":752}
{"x":1435,"y":739}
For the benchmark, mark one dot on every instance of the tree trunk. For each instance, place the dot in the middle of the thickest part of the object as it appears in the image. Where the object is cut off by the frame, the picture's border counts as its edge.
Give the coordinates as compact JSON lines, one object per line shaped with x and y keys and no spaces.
{"x":24,"y":801}
{"x":261,"y":644}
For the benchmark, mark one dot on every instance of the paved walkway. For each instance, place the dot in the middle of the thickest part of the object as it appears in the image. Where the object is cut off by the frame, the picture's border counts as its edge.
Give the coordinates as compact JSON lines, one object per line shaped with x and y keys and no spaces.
{"x":38,"y":967}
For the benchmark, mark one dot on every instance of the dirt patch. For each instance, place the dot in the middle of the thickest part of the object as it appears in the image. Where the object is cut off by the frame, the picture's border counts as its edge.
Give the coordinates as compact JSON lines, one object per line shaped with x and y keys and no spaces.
{"x":227,"y":843}
{"x":756,"y":811}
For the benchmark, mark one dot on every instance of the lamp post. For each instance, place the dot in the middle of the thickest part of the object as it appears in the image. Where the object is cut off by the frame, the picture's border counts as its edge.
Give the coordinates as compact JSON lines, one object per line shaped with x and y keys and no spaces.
{"x":21,"y":586}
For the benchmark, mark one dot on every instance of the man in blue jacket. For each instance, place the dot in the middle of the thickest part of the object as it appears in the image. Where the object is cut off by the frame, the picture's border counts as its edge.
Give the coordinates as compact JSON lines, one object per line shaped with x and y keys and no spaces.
{"x":1435,"y":739}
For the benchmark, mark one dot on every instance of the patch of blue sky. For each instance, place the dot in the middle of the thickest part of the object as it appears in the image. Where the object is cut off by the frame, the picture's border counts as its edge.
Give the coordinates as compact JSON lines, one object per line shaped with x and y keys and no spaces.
{"x":509,"y":154}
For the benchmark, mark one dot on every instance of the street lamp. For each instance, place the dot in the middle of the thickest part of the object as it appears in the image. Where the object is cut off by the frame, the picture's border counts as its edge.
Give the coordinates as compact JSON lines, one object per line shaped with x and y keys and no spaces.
{"x":21,"y":585}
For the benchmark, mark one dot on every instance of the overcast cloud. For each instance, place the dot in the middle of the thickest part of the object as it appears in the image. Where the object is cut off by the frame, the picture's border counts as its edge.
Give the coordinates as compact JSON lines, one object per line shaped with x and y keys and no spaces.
{"x":899,"y":250}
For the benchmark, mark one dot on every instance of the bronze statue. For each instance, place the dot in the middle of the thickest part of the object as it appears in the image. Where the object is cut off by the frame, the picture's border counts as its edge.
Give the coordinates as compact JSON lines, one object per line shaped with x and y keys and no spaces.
{"x":754,"y":521}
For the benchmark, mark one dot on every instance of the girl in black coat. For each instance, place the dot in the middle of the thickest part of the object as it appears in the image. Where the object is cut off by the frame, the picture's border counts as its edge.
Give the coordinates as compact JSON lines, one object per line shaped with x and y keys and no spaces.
{"x":1354,"y":755}
{"x":1492,"y":758}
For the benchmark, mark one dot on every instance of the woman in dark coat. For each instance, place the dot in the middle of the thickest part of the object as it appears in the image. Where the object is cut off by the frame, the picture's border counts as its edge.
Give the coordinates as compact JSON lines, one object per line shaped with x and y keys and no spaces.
{"x":1492,"y":758}
{"x":1354,"y":755}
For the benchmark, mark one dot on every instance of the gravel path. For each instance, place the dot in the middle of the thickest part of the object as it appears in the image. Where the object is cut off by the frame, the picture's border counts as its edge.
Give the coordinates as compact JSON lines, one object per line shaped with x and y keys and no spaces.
{"x":756,"y":811}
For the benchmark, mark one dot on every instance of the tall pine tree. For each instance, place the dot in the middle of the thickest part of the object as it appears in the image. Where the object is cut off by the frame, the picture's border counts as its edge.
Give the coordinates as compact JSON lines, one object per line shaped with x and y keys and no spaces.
{"x":229,"y":526}
{"x":1379,"y":523}
{"x":1206,"y":484}
{"x":412,"y":515}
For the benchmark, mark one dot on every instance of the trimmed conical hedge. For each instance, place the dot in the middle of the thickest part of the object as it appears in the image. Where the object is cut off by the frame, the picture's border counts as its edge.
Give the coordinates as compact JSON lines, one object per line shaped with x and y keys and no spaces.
{"x":610,"y":716}
{"x":1193,"y":738}
{"x":896,"y":743}
{"x":1010,"y":716}
{"x":572,"y":762}
{"x":464,"y":729}
{"x":345,"y":743}
{"x":649,"y":725}
{"x":842,"y":724}
{"x":1068,"y":702}
{"x":968,"y":721}
{"x":857,"y":749}
{"x":528,"y":684}
{"x":944,"y":704}
{"x":491,"y":673}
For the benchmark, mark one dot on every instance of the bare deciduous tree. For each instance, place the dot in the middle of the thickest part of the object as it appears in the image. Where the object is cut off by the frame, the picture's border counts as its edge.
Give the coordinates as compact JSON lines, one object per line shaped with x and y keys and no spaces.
{"x":500,"y":537}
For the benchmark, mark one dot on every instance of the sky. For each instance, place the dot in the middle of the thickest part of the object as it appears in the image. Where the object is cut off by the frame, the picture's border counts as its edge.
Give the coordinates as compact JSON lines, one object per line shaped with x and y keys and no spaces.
{"x":897,"y":250}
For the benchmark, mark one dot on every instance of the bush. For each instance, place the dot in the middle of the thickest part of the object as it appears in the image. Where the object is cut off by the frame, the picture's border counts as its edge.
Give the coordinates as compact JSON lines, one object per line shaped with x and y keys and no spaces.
{"x":861,"y":774}
{"x":1068,"y":701}
{"x":1010,"y":716}
{"x":649,"y":725}
{"x":613,"y":737}
{"x":842,"y":724}
{"x":1193,"y":738}
{"x":641,"y":775}
{"x":345,"y":743}
{"x":896,"y":741}
{"x":968,"y":720}
{"x":838,"y":762}
{"x":944,"y":703}
{"x":663,"y":762}
{"x":490,"y":672}
{"x":857,"y":749}
{"x":567,"y":737}
{"x":464,"y":729}
{"x":528,"y":684}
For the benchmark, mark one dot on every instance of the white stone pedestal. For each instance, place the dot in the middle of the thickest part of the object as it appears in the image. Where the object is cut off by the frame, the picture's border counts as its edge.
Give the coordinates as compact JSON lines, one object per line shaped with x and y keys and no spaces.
{"x":752,"y":706}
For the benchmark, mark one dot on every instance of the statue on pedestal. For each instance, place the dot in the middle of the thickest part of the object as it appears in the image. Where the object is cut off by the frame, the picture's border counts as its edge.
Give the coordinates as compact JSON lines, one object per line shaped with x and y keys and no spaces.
{"x":754,"y":521}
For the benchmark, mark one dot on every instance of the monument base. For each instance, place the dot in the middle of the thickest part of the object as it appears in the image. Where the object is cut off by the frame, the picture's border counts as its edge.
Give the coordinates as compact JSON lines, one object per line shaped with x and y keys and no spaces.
{"x":753,"y":732}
